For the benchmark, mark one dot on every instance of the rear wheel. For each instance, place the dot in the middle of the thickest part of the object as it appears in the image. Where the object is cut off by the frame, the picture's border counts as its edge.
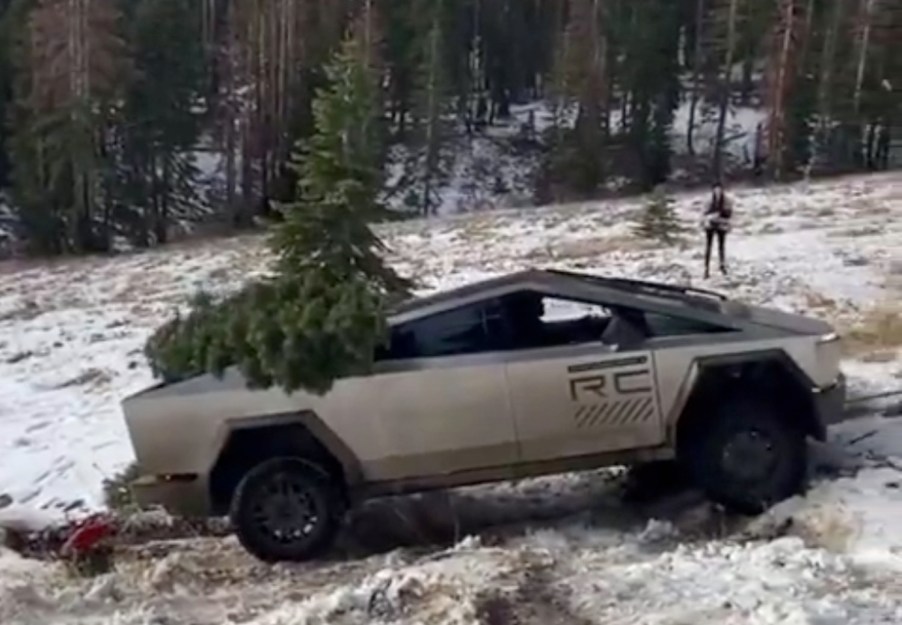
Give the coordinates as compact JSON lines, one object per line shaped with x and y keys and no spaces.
{"x":748,"y":456}
{"x":653,"y":481}
{"x":286,"y":510}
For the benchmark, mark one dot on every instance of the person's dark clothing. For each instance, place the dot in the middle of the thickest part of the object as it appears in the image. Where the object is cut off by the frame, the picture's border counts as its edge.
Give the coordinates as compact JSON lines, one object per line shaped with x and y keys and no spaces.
{"x":721,"y":235}
{"x":717,"y":224}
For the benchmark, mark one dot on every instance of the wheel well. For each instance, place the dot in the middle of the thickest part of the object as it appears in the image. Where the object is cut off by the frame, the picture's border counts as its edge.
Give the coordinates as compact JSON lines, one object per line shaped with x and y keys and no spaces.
{"x":769,"y":379}
{"x":245,"y":448}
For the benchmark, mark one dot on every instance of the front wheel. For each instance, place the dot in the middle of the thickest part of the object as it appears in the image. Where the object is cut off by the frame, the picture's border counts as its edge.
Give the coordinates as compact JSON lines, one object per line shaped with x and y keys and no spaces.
{"x":285,"y":510}
{"x":748,"y":457}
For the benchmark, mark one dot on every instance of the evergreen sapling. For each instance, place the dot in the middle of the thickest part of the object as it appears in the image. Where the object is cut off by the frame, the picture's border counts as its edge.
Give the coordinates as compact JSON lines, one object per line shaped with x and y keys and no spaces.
{"x":322,"y":315}
{"x":658,"y":221}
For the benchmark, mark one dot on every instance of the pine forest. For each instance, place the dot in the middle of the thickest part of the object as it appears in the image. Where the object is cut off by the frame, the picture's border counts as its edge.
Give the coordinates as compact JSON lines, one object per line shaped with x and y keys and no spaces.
{"x":133,"y":122}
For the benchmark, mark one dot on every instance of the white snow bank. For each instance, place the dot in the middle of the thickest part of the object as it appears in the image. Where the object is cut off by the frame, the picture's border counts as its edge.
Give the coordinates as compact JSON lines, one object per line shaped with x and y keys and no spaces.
{"x":71,"y":335}
{"x":444,"y":590}
{"x":72,"y":332}
{"x":721,"y":583}
{"x":23,"y":519}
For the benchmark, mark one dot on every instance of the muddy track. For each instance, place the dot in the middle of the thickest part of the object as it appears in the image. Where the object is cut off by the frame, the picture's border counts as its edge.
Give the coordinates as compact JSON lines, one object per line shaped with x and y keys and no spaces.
{"x":430,"y":522}
{"x":537,"y":600}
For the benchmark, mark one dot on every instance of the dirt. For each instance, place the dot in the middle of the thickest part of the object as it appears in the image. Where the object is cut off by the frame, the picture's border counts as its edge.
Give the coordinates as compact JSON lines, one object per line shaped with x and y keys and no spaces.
{"x":537,"y":600}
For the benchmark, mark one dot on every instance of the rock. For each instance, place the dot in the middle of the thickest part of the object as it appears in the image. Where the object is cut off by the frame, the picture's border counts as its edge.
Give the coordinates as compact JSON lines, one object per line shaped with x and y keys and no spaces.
{"x":856,"y":261}
{"x":105,"y":588}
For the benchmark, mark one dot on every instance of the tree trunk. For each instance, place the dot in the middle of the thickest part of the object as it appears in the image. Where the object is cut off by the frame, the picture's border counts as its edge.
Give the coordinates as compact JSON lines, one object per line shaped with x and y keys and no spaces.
{"x":247,"y":173}
{"x":231,"y":173}
{"x":432,"y":117}
{"x":725,"y":89}
{"x":825,"y":87}
{"x":864,"y":43}
{"x":883,"y":146}
{"x":696,"y":74}
{"x":161,"y":227}
{"x":748,"y":87}
{"x":779,"y":85}
{"x":871,"y":147}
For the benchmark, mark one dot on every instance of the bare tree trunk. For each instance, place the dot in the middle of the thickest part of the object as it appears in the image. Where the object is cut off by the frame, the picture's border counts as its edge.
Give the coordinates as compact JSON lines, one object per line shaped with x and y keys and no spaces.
{"x":806,"y":34}
{"x":748,"y":87}
{"x":368,"y":33}
{"x":153,"y":219}
{"x":864,"y":43}
{"x":777,"y":123}
{"x":208,"y":22}
{"x":696,"y":73}
{"x":230,"y":116}
{"x":432,"y":105}
{"x":161,"y":227}
{"x":828,"y":59}
{"x":261,"y":135}
{"x":231,"y":173}
{"x":725,"y":88}
{"x":599,"y":68}
{"x":870,"y":147}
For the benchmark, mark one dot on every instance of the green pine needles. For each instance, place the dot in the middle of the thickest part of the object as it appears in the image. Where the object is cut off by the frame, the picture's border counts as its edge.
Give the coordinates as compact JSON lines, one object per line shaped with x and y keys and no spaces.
{"x":658,"y":221}
{"x":323,"y":315}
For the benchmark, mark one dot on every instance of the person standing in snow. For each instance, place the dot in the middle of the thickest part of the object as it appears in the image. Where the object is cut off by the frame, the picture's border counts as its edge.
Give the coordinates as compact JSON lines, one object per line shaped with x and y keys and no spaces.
{"x":717,"y":224}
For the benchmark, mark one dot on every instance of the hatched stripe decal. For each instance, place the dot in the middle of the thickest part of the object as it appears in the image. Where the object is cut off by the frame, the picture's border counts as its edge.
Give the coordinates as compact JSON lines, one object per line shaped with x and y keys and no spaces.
{"x":614,"y":414}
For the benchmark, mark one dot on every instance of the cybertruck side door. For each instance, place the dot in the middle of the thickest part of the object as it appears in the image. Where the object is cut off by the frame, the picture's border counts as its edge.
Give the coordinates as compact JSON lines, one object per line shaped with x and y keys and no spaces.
{"x":441,"y":399}
{"x":581,"y":400}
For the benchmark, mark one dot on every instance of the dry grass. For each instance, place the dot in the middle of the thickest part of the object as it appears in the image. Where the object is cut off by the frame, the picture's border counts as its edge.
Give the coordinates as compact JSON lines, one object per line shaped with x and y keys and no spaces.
{"x":26,"y":310}
{"x":877,"y":334}
{"x":479,"y":227}
{"x":19,"y":357}
{"x":881,"y":356}
{"x":92,"y":377}
{"x":117,"y":492}
{"x":819,"y":302}
{"x":832,"y":530}
{"x":599,"y":246}
{"x":858,"y":232}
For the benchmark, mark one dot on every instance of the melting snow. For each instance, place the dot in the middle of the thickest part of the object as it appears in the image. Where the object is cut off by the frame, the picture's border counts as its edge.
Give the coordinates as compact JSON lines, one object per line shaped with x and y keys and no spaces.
{"x":561,"y":549}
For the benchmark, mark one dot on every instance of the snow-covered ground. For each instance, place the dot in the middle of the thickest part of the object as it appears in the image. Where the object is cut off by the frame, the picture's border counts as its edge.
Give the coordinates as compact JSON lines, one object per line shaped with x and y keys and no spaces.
{"x":488,"y":170}
{"x":556,"y":550}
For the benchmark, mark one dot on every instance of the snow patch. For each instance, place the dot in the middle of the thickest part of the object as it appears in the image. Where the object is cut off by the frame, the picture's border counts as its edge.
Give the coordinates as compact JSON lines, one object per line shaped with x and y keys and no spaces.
{"x":71,"y":335}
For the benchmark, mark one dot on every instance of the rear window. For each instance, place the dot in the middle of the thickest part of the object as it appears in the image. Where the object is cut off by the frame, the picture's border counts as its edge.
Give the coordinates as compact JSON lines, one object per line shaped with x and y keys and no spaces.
{"x":466,"y":330}
{"x":659,"y":326}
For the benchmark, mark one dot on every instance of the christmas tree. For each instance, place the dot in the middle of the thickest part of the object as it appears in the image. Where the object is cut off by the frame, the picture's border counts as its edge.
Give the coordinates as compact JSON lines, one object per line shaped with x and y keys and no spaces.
{"x":658,"y":221}
{"x":322,"y":315}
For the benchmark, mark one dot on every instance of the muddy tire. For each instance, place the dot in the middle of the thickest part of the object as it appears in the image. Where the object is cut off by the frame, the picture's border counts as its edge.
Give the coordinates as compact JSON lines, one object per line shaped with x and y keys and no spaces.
{"x":653,"y":481}
{"x":747,"y":456}
{"x":286,"y":510}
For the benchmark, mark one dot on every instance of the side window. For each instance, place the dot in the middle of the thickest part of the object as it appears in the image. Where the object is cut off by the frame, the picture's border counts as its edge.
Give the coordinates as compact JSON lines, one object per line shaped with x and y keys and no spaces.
{"x":660,"y":326}
{"x":465,"y":330}
{"x":529,"y":320}
{"x":536,"y":320}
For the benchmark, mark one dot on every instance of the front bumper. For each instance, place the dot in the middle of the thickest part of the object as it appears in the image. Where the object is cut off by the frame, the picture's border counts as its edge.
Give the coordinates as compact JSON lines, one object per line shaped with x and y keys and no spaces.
{"x":182,"y":498}
{"x":830,"y":402}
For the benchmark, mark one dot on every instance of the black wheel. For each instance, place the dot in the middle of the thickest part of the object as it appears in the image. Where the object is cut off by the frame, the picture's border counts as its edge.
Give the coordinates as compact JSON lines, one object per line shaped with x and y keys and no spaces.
{"x":655,"y":480}
{"x":286,"y":510}
{"x":748,"y":456}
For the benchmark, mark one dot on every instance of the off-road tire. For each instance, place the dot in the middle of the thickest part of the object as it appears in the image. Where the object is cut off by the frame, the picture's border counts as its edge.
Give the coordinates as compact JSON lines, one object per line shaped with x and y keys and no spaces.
{"x":747,"y":456}
{"x":265,"y":487}
{"x":654,"y":481}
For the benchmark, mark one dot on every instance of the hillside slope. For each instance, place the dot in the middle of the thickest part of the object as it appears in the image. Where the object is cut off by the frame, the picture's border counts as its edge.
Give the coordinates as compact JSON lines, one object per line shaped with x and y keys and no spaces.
{"x":556,"y":550}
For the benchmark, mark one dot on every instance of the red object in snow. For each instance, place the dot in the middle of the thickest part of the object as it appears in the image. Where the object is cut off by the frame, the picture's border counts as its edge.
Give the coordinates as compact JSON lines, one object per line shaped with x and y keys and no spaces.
{"x":87,"y":535}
